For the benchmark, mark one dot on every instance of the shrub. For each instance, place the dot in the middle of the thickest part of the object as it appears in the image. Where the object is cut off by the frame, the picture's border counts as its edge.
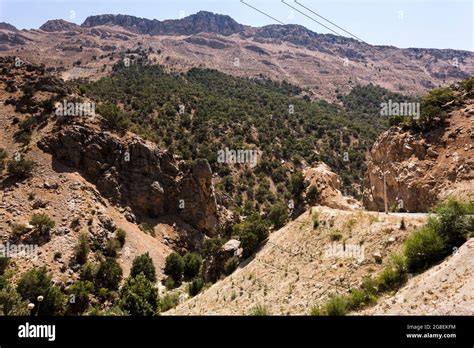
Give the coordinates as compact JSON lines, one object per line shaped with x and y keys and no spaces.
{"x":389,"y":279}
{"x":121,"y":235}
{"x":82,"y":249}
{"x":147,"y":228}
{"x":316,"y":311}
{"x":4,"y":261}
{"x":111,"y":247}
{"x":315,"y":218}
{"x":212,"y":246}
{"x":109,"y":274}
{"x":169,"y":301}
{"x":88,"y":272}
{"x":336,"y":306}
{"x":335,"y":236}
{"x":297,"y":184}
{"x":260,"y":310}
{"x":11,"y":302}
{"x":139,"y":297}
{"x":452,"y":222}
{"x":79,"y":293}
{"x":192,"y":265}
{"x":174,"y":266}
{"x":170,"y":283}
{"x":20,"y":169}
{"x":42,"y":224}
{"x":37,"y":282}
{"x":278,"y":215}
{"x":195,"y":286}
{"x":249,"y":243}
{"x":144,"y":264}
{"x":312,"y":195}
{"x":402,"y":224}
{"x":231,"y":265}
{"x":3,"y":156}
{"x":423,"y":248}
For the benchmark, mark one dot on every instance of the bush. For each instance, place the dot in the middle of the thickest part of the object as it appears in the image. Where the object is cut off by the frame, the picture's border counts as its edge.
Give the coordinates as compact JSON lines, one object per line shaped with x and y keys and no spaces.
{"x":3,"y":156}
{"x":312,"y":195}
{"x":42,"y":224}
{"x":11,"y":302}
{"x":147,"y":228}
{"x":231,"y":265}
{"x":212,"y":246}
{"x":452,"y":222}
{"x":423,"y":248}
{"x":109,"y":274}
{"x":335,"y":236}
{"x":111,"y":247}
{"x":192,"y":265}
{"x":169,"y":301}
{"x":278,"y":215}
{"x":170,"y":283}
{"x":336,"y":306}
{"x":88,"y":272}
{"x":121,"y":235}
{"x":144,"y":264}
{"x":4,"y":261}
{"x":139,"y":297}
{"x":21,"y":169}
{"x":174,"y":266}
{"x":297,"y":184}
{"x":316,"y":311}
{"x":82,"y":249}
{"x":195,"y":286}
{"x":390,"y":279}
{"x":260,"y":310}
{"x":249,"y":243}
{"x":37,"y":282}
{"x":315,"y":218}
{"x":79,"y":293}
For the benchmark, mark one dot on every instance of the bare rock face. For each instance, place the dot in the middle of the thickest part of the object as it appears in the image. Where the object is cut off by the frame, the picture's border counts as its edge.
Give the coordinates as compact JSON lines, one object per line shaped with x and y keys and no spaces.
{"x":135,"y":173}
{"x":422,"y":168}
{"x":328,"y":185}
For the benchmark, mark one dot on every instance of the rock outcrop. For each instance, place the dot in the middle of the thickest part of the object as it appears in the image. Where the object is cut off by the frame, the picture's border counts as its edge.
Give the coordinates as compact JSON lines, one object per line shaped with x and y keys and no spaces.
{"x":135,"y":173}
{"x":328,"y":185}
{"x":422,"y":168}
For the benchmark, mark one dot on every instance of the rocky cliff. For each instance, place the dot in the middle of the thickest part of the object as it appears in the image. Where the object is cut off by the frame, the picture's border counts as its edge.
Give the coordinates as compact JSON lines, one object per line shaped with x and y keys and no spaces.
{"x":423,"y":167}
{"x":137,"y":174}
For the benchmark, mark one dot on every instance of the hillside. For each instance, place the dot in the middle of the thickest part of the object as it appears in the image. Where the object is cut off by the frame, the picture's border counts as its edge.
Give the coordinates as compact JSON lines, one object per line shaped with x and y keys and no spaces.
{"x":293,"y":272}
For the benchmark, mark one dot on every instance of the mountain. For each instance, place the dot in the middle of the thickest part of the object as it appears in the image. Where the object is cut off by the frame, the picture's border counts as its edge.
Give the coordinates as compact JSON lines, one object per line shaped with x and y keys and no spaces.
{"x":325,"y":65}
{"x":200,"y":22}
{"x":7,"y":26}
{"x":58,"y":25}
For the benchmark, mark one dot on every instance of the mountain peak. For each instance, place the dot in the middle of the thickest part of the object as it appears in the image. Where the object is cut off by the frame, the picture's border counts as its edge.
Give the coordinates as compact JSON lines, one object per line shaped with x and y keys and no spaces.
{"x":201,"y":21}
{"x":58,"y":25}
{"x":7,"y":26}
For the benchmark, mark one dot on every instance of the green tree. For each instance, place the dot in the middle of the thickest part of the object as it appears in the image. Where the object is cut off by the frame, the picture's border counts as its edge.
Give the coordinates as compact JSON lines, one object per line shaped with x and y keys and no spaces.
{"x":109,"y":274}
{"x":79,"y":294}
{"x":192,"y":265}
{"x":82,"y":249}
{"x":174,"y":266}
{"x":144,"y":264}
{"x":139,"y":297}
{"x":37,"y":282}
{"x":278,"y":215}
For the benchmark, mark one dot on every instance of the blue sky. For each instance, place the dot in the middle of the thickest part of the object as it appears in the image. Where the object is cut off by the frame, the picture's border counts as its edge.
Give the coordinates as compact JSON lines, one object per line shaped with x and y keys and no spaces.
{"x":402,"y":23}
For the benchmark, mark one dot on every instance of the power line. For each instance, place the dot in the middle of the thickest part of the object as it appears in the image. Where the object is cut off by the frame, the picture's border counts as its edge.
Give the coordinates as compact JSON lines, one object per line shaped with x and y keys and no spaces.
{"x":327,"y":20}
{"x":314,"y":20}
{"x":265,"y":14}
